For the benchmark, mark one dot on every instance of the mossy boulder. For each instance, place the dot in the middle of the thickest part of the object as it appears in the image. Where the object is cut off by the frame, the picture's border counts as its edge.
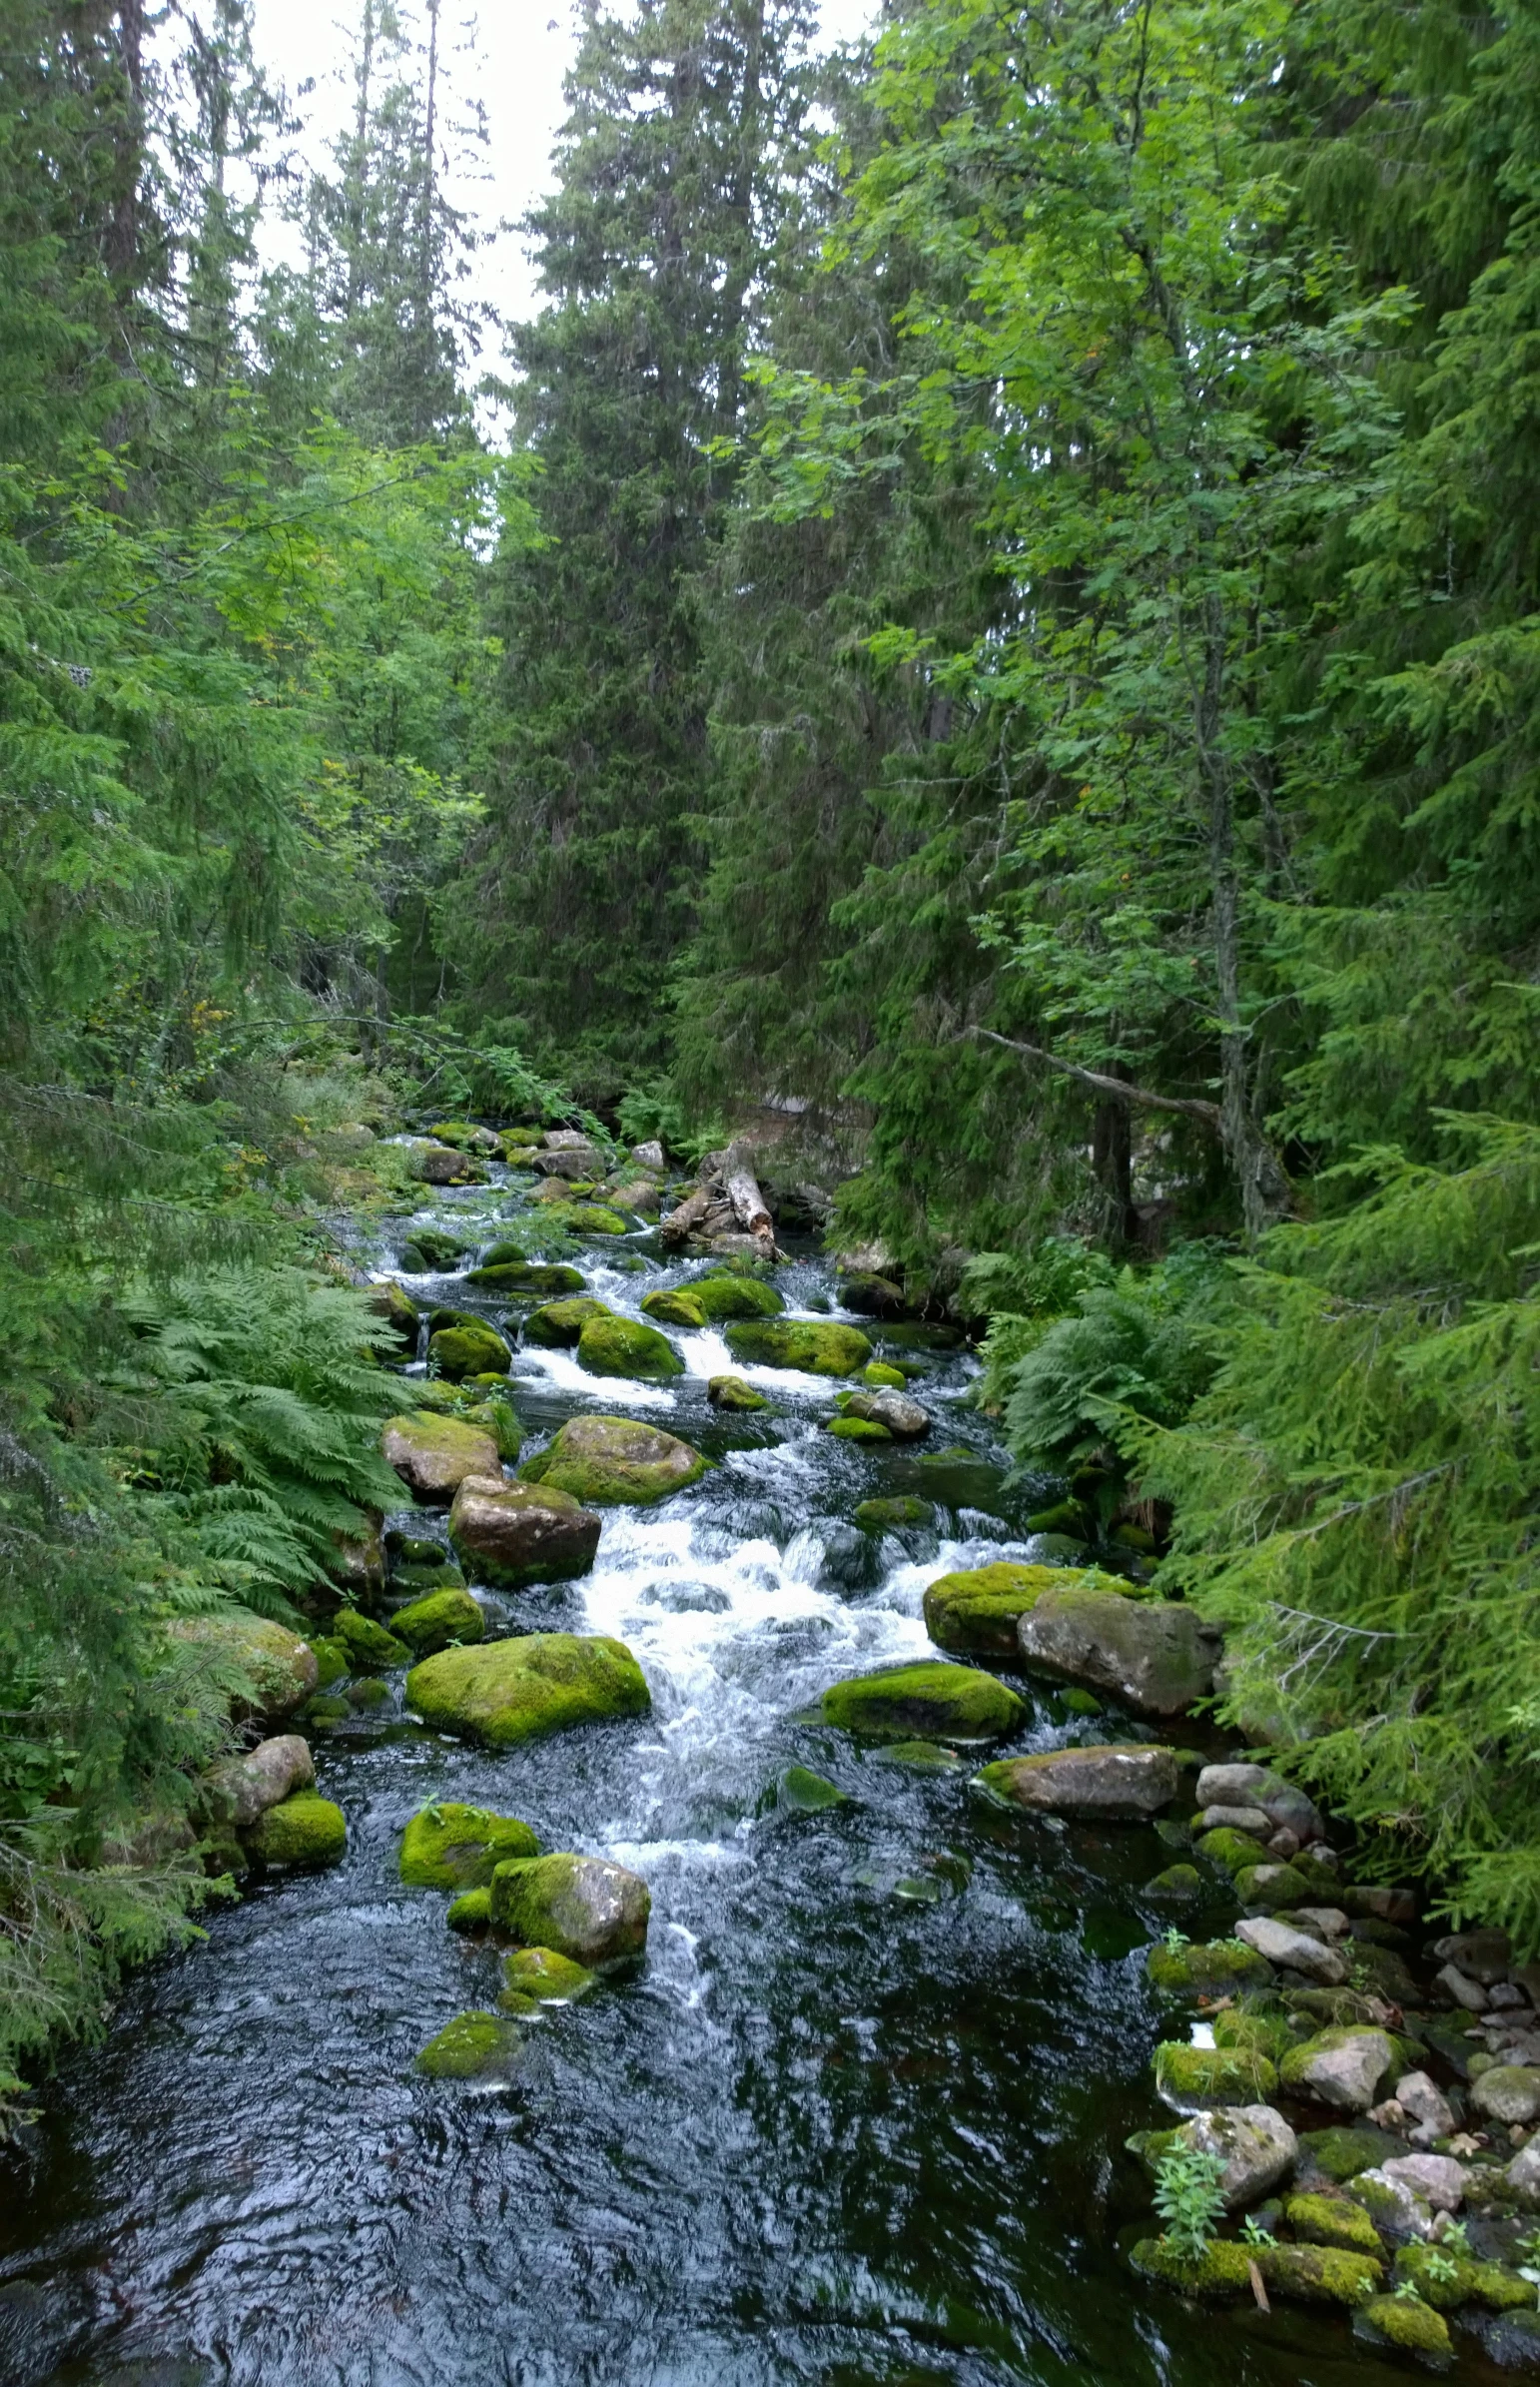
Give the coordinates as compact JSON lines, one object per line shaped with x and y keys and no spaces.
{"x":301,"y":1831}
{"x":472,"y":1910}
{"x":805,"y":1345}
{"x":544,"y":1976}
{"x":802,"y":1792}
{"x":623,"y":1346}
{"x":1448,"y":2280}
{"x":448,"y":1845}
{"x":1155,"y":1656}
{"x":975,"y":1613}
{"x":891,"y":1515}
{"x":510,"y":1534}
{"x":881,"y":1378}
{"x":612,"y":1459}
{"x":439,"y":1619}
{"x":475,"y":2046}
{"x":397,"y":1313}
{"x":1320,"y":2274}
{"x":1223,"y":2269}
{"x":432,"y":1455}
{"x":367,"y":1645}
{"x":1205,"y":1969}
{"x":732,"y":1393}
{"x":1194,"y":2079}
{"x":1236,"y":1851}
{"x":1271,"y":1888}
{"x":266,"y":1669}
{"x":498,"y":1418}
{"x":1182,"y":1882}
{"x":557,"y":1325}
{"x":724,"y":1296}
{"x":515,"y":1279}
{"x":455,"y":1353}
{"x":1341,"y":2153}
{"x":1332,"y":2221}
{"x":508,"y":1692}
{"x":923,"y":1700}
{"x":367,"y":1692}
{"x":1407,"y":2324}
{"x":1342,"y":2067}
{"x":583,"y":1908}
{"x":440,"y":1164}
{"x":433,"y":1250}
{"x":857,"y":1429}
{"x":674,"y":1305}
{"x":330,"y":1661}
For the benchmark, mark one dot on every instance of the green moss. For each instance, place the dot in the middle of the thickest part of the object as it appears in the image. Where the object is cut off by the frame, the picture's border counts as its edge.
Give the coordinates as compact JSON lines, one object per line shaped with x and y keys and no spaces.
{"x":1282,"y":1887}
{"x":723,"y":1297}
{"x":977,"y":1612}
{"x":623,"y":1346}
{"x":475,"y":2046}
{"x":884,"y":1516}
{"x":319,"y":1714}
{"x":1448,"y":2281}
{"x":1220,"y":2270}
{"x":926,"y":1756}
{"x":901,"y":1703}
{"x":505,"y":1253}
{"x":1178,"y":1880}
{"x":674,"y":1305}
{"x":1406,"y":2323}
{"x":542,"y":1901}
{"x":331,"y":1662}
{"x":546,"y":1978}
{"x":448,"y":1845}
{"x":434,"y":1622}
{"x":508,"y":1692}
{"x":1077,"y":1702}
{"x":368,"y":1644}
{"x":589,"y":1218}
{"x":608,"y":1460}
{"x":470,"y":1911}
{"x":1202,"y":2077}
{"x":1211,"y":1969}
{"x":1341,"y":2152}
{"x":300,"y":1830}
{"x":806,"y":1344}
{"x":858,"y":1429}
{"x":1065,"y":1516}
{"x":432,"y":1250}
{"x":1257,"y":2029}
{"x":367,"y":1691}
{"x":880,"y":1376}
{"x":497,"y":1419}
{"x":541,"y":1281}
{"x":1232,"y":1849}
{"x":1147,"y":2148}
{"x":806,"y":1793}
{"x":557,"y":1326}
{"x":1320,"y":2274}
{"x":731,"y":1392}
{"x":1332,"y":2221}
{"x":459,"y":1351}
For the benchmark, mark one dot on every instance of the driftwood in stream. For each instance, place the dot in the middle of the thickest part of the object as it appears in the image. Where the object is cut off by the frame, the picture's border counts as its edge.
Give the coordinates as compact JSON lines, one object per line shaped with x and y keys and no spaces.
{"x":725,"y":1211}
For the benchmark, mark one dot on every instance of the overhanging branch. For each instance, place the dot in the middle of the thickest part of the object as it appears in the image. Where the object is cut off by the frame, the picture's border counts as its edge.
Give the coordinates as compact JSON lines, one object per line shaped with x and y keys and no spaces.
{"x":1114,"y":1090}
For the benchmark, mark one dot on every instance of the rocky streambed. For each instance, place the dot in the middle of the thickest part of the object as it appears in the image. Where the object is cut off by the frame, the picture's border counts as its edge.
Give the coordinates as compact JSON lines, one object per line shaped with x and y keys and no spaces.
{"x":725,"y":1901}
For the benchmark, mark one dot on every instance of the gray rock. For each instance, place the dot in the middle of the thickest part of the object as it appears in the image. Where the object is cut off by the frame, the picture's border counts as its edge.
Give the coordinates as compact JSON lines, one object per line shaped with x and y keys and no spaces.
{"x":1462,"y":1988}
{"x":1394,"y":2207}
{"x":1234,"y":1819}
{"x":1156,"y":1656}
{"x":1245,"y":1785}
{"x":904,"y":1418}
{"x":1300,"y":1951}
{"x":1509,"y":2092}
{"x":435,"y":1455}
{"x":1482,"y":1956}
{"x":1438,"y":2179}
{"x":1341,"y":2068}
{"x":1426,"y":2104}
{"x":1232,"y":1785}
{"x":262,"y":1777}
{"x":1523,"y":2173}
{"x":578,"y":1162}
{"x":1329,"y":1921}
{"x":1255,"y":2143}
{"x":516,"y":1533}
{"x":1118,"y":1783}
{"x":649,"y":1155}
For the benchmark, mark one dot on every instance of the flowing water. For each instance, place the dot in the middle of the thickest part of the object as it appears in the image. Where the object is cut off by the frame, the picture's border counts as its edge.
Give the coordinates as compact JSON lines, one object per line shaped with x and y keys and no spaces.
{"x":859,"y":2119}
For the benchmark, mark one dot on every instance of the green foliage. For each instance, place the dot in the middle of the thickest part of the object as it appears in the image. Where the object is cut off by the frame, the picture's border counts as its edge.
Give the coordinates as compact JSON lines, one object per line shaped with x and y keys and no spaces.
{"x":1189,"y":2199}
{"x":1130,"y":1350}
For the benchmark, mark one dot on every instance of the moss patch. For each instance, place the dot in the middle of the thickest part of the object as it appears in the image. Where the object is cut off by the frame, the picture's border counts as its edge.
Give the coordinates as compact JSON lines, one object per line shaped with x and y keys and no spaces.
{"x":623,"y":1346}
{"x":805,"y":1345}
{"x":434,"y":1623}
{"x":1220,"y":2270}
{"x":448,"y":1845}
{"x":891,"y":1515}
{"x":955,"y":1702}
{"x":533,"y":1280}
{"x":459,"y":1351}
{"x":475,"y":2046}
{"x":470,"y":1911}
{"x":1232,"y":1849}
{"x":557,"y":1325}
{"x":1320,"y":2274}
{"x":508,"y":1692}
{"x":497,"y":1419}
{"x":858,"y":1429}
{"x":300,"y":1830}
{"x":1332,"y":2221}
{"x":540,"y":1974}
{"x":731,"y":1392}
{"x":674,"y":1305}
{"x":1209,"y":1968}
{"x":977,"y":1612}
{"x":1195,"y":2078}
{"x":368,"y":1644}
{"x":803,"y":1792}
{"x":1406,"y":2323}
{"x":1341,"y":2153}
{"x":1447,"y":2282}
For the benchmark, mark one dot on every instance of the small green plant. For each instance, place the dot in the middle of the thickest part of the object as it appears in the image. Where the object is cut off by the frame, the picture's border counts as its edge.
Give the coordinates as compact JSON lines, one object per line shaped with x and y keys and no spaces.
{"x":1439,"y":2267}
{"x":1529,"y":2249}
{"x":1256,"y":2233}
{"x":1456,"y":2238}
{"x":1174,"y":1939}
{"x":1406,"y":2292}
{"x":1189,"y":2199}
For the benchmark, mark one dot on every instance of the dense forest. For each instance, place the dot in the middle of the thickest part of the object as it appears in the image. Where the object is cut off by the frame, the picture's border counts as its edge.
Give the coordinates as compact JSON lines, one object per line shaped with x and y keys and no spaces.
{"x":1001,"y":636}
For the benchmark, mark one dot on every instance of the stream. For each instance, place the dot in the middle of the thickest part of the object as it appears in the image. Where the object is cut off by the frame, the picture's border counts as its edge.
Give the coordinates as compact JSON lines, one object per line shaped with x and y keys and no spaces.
{"x":860,"y":2118}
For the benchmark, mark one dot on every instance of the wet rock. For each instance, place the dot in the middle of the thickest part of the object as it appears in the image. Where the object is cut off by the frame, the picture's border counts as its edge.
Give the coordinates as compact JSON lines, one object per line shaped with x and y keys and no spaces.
{"x":267,"y":1670}
{"x":472,"y":1910}
{"x":466,"y":1136}
{"x":1397,"y":2211}
{"x":873,"y":1295}
{"x":433,"y":1250}
{"x":475,"y":2046}
{"x":557,"y":1324}
{"x":1509,"y":2092}
{"x":1235,"y":1819}
{"x":440,"y":1164}
{"x":1448,"y":2280}
{"x":1280,"y":1944}
{"x":977,"y":1612}
{"x":1438,"y":2179}
{"x":436,"y":1621}
{"x":367,"y":1645}
{"x":510,"y":1534}
{"x":1332,"y":2221}
{"x":609,"y":1459}
{"x":1523,"y":2173}
{"x":399,"y":1314}
{"x":1406,"y":2324}
{"x":857,"y":1429}
{"x":582,"y":1907}
{"x":516,"y":1279}
{"x":1513,"y":2341}
{"x":242,"y":1787}
{"x":450,"y":1846}
{"x":623,"y":1346}
{"x":589,"y":1218}
{"x":1254,"y":2143}
{"x":892,"y":1515}
{"x":1341,"y":2153}
{"x":899,"y":1703}
{"x":1247,"y":1785}
{"x":1341,"y":2067}
{"x":1483,"y":1956}
{"x":1273,"y":1886}
{"x":432,"y":1455}
{"x":925,"y":1757}
{"x":1117,"y":1785}
{"x":714,"y":1299}
{"x":1205,"y":1969}
{"x":1327,"y":1922}
{"x":1182,"y":1882}
{"x":1320,"y":2274}
{"x":549,"y":1978}
{"x":732,"y":1393}
{"x":1223,"y":2269}
{"x":806,"y":1344}
{"x":1156,"y":1656}
{"x":878,"y":1374}
{"x":1233,"y":1849}
{"x":468,"y":1351}
{"x":497,"y":1419}
{"x":1462,"y":1991}
{"x":1197,"y":2078}
{"x":896,"y":1412}
{"x":300,"y":1830}
{"x":581,"y":1162}
{"x":802,"y":1792}
{"x":650,"y":1156}
{"x":1425,"y":2103}
{"x":508,"y":1692}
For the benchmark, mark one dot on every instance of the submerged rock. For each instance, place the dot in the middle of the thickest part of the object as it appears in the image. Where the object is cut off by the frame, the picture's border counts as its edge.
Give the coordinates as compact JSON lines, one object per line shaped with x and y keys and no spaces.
{"x":731,"y":1392}
{"x":1341,"y":2067}
{"x":475,"y":2046}
{"x":1156,"y":1656}
{"x":805,"y":1345}
{"x":242,"y":1787}
{"x":977,"y":1613}
{"x":802,"y":1792}
{"x":433,"y":1623}
{"x":608,"y":1460}
{"x":926,"y":1756}
{"x":1118,"y":1783}
{"x":434,"y":1454}
{"x":516,"y":1533}
{"x":275,"y":1670}
{"x":623,"y":1346}
{"x":303,"y":1830}
{"x":582,"y":1907}
{"x":1448,"y":2281}
{"x":450,"y":1846}
{"x":902,"y":1703}
{"x":507,"y":1692}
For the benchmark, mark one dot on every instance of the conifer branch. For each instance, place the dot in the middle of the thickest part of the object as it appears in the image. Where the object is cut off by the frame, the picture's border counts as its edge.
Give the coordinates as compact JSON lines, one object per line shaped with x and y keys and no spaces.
{"x":1114,"y":1088}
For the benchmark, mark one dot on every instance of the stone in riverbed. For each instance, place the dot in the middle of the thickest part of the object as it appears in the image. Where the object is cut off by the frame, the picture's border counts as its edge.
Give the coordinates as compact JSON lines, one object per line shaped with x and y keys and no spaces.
{"x":1449,"y":2280}
{"x":975,"y":1613}
{"x":275,"y":1670}
{"x":1196,"y":2080}
{"x":806,"y":1344}
{"x":367,"y":1645}
{"x":397,"y":1310}
{"x":1332,"y":2221}
{"x":583,"y":1908}
{"x":433,"y":1623}
{"x":1207,"y":1968}
{"x":1253,"y":2142}
{"x":1438,"y":2179}
{"x":1156,"y":1656}
{"x":1342,"y":2153}
{"x":525,"y":1279}
{"x":508,"y":1692}
{"x":923,"y":1700}
{"x":608,"y":1460}
{"x":1341,"y":2067}
{"x":515,"y":1533}
{"x":857,"y":1429}
{"x":1115,"y":1785}
{"x":710,"y":1301}
{"x":802,"y":1792}
{"x":557,"y":1325}
{"x":475,"y":2046}
{"x":894,"y":1412}
{"x":1407,"y":2324}
{"x":242,"y":1787}
{"x":1509,"y":2092}
{"x":549,"y":1978}
{"x":450,"y":1846}
{"x":1223,"y":2269}
{"x":891,"y":1515}
{"x":300,"y":1830}
{"x":438,"y":1165}
{"x":434,"y":1454}
{"x":455,"y":1353}
{"x":472,"y":1910}
{"x":1319,"y":2274}
{"x":1270,"y":1887}
{"x":1280,"y":1944}
{"x":731,"y":1392}
{"x":623,"y":1346}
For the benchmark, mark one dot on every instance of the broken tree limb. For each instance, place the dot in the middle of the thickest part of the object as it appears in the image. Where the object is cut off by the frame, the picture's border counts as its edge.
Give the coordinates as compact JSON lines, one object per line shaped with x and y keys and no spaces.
{"x":682,"y":1222}
{"x":1115,"y":1089}
{"x":742,"y":1189}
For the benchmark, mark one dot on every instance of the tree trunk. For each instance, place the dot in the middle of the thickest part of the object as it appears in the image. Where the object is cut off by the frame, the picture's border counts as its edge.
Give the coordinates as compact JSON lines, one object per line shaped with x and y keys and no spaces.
{"x":1112,"y":1161}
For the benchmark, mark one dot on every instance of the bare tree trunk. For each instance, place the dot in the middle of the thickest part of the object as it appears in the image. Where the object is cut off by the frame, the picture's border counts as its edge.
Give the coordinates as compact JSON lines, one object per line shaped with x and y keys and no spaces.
{"x":1112,"y":1161}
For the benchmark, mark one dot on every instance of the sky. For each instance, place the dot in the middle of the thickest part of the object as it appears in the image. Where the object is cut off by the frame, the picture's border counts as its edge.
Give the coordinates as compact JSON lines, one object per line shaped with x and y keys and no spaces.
{"x":523,"y":49}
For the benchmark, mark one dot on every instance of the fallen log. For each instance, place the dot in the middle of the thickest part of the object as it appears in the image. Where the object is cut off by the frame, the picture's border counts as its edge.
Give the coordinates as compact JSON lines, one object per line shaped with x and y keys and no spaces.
{"x":682,"y":1223}
{"x":741,"y":1187}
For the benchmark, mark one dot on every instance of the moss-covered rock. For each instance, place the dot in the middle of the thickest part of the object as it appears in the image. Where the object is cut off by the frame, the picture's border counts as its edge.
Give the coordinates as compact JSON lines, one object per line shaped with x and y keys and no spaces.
{"x":524,"y":1279}
{"x":434,"y":1454}
{"x":1332,"y":2221}
{"x":367,"y":1692}
{"x":436,"y":1621}
{"x":511,"y":1534}
{"x":802,"y":1792}
{"x":557,"y":1325}
{"x":610,"y":1460}
{"x":592,"y":1217}
{"x":440,"y":1164}
{"x":1178,"y":1882}
{"x":1207,"y":1969}
{"x":448,"y":1845}
{"x":367,"y":1645}
{"x":726,"y":1297}
{"x":300,"y":1830}
{"x":977,"y":1613}
{"x":1125,"y":1784}
{"x":1448,"y":2280}
{"x":331,"y":1662}
{"x":674,"y":1305}
{"x":549,"y":1978}
{"x":623,"y":1346}
{"x":433,"y":1250}
{"x":1222,"y":2270}
{"x":583,"y":1908}
{"x":1256,"y":2026}
{"x":881,"y":1378}
{"x":923,"y":1757}
{"x":397,"y":1313}
{"x":1194,"y":2079}
{"x":857,"y":1429}
{"x":891,"y":1515}
{"x":265,"y":1669}
{"x":498,"y":1418}
{"x":508,"y":1692}
{"x":806,"y":1344}
{"x":472,"y":1910}
{"x":1341,"y":2153}
{"x":1320,"y":2274}
{"x":1271,"y":1888}
{"x":732,"y":1393}
{"x":1407,"y":2324}
{"x":1236,"y":1851}
{"x":930,"y":1701}
{"x":1342,"y":2067}
{"x":475,"y":2046}
{"x":1156,"y":1656}
{"x":455,"y":1353}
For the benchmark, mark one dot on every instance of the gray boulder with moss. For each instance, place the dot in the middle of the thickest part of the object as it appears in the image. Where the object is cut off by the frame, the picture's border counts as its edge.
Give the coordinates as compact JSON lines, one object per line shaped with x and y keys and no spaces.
{"x":455,"y":1353}
{"x":1116,"y":1785}
{"x":524,"y":1689}
{"x":266,"y":1669}
{"x":977,"y":1613}
{"x":475,"y":2046}
{"x":624,"y":1346}
{"x":806,"y":1345}
{"x":301,"y":1832}
{"x":1341,"y":2067}
{"x":557,"y":1325}
{"x":923,"y":1700}
{"x":510,"y":1534}
{"x":583,"y":1908}
{"x":438,"y":1620}
{"x":1156,"y":1656}
{"x":242,"y":1787}
{"x":612,"y":1459}
{"x":432,"y":1455}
